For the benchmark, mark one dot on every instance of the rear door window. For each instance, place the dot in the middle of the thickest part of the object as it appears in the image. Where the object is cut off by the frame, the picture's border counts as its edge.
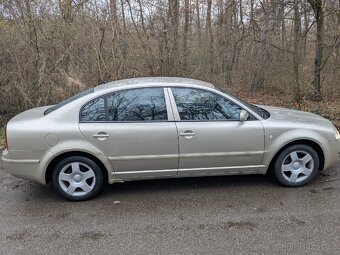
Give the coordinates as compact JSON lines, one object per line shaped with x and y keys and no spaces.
{"x":133,"y":105}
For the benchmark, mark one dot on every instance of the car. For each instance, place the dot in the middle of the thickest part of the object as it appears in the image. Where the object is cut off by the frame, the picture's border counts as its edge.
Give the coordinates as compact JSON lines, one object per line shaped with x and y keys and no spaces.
{"x":163,"y":127}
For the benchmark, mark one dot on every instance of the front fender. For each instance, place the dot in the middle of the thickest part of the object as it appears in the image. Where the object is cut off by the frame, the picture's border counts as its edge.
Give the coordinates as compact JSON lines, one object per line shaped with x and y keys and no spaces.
{"x":274,"y":143}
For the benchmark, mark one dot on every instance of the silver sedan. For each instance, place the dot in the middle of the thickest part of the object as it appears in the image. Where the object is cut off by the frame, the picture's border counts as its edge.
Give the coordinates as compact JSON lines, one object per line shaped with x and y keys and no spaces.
{"x":147,"y":128}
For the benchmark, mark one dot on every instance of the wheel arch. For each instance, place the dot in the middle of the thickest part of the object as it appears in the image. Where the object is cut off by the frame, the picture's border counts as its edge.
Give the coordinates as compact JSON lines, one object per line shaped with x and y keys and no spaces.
{"x":307,"y":142}
{"x":58,"y":158}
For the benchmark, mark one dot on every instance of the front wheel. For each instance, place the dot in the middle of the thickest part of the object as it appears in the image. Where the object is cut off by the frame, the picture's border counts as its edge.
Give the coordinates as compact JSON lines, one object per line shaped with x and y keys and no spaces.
{"x":296,"y":165}
{"x":77,"y":178}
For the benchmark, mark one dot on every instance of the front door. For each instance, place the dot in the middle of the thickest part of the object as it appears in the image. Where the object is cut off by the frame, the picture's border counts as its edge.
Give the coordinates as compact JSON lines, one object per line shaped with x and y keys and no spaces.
{"x":212,"y":140}
{"x":132,"y":128}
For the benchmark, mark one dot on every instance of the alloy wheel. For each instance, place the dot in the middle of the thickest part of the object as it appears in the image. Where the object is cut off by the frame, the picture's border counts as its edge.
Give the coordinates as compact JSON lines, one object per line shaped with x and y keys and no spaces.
{"x":297,"y":166}
{"x":77,"y":179}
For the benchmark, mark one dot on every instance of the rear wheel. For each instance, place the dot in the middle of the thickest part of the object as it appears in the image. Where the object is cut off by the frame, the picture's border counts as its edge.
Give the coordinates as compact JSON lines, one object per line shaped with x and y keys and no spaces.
{"x":77,"y":178}
{"x":296,"y":165}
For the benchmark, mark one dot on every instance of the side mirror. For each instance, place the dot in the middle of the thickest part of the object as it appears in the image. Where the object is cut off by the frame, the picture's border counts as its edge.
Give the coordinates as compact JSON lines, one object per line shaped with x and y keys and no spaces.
{"x":244,"y":115}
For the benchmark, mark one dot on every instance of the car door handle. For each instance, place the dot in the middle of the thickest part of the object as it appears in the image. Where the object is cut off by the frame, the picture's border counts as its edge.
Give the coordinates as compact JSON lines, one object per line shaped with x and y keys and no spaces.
{"x":187,"y":134}
{"x":101,"y":135}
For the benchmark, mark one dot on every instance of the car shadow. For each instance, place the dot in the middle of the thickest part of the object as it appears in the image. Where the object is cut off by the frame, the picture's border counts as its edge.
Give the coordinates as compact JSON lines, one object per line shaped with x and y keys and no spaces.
{"x":190,"y":183}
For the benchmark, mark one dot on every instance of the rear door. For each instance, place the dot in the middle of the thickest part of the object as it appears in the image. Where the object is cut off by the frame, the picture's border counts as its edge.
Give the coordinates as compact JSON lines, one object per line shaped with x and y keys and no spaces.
{"x":212,"y":140}
{"x":136,"y":131}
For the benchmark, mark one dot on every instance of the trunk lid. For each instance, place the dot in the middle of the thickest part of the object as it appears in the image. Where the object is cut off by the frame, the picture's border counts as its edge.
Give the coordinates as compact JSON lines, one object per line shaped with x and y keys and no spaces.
{"x":31,"y":114}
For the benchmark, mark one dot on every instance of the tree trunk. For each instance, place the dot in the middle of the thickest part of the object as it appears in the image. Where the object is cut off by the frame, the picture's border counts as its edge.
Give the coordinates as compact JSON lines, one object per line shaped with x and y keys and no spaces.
{"x":283,"y":23}
{"x":198,"y":21}
{"x":252,"y":18}
{"x":261,"y":57}
{"x":211,"y":38}
{"x":338,"y":14}
{"x":173,"y":13}
{"x":66,"y":10}
{"x":185,"y":35}
{"x":229,"y":50}
{"x":296,"y":56}
{"x":123,"y":41}
{"x":317,"y":6}
{"x":306,"y":28}
{"x":115,"y":41}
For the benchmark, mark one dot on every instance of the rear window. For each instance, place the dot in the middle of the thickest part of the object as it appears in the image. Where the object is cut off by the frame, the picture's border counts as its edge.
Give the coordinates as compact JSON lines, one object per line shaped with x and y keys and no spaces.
{"x":69,"y":100}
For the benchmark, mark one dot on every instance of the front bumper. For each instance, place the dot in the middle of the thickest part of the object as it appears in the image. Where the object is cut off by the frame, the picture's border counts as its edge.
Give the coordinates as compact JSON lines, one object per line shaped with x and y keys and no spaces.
{"x":332,"y":156}
{"x":29,"y":165}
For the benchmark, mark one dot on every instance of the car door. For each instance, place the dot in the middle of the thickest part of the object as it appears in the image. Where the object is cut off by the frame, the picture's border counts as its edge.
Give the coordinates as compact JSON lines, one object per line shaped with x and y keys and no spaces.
{"x":212,"y":139}
{"x":134,"y":128}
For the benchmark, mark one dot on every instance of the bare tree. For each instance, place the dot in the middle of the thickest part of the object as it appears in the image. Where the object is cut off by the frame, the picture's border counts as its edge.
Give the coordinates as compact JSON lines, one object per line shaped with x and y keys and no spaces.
{"x":185,"y":33}
{"x":211,"y":37}
{"x":51,"y":50}
{"x":283,"y":22}
{"x":296,"y":55}
{"x":261,"y":57}
{"x":66,"y":10}
{"x":114,"y":26}
{"x":317,"y":6}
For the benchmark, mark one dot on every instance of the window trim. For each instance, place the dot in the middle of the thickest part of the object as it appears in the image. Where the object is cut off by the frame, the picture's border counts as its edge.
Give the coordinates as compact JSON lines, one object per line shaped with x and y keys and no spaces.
{"x":252,"y":117}
{"x":166,"y":99}
{"x":82,"y":107}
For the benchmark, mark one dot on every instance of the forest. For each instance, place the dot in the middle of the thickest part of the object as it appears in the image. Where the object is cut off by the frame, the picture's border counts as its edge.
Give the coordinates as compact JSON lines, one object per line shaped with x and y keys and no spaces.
{"x":279,"y":52}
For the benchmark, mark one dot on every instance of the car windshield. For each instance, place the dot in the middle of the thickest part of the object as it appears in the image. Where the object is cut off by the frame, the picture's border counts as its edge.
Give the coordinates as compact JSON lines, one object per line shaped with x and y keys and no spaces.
{"x":69,"y":100}
{"x":258,"y":110}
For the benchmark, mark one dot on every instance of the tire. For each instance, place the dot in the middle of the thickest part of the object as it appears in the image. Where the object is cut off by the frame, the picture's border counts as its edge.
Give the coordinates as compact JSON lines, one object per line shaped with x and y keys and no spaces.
{"x":77,"y":178}
{"x":296,"y":165}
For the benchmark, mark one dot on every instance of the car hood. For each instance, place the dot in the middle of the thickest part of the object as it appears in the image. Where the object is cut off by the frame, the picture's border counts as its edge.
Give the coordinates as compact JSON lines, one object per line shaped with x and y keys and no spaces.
{"x":288,"y":115}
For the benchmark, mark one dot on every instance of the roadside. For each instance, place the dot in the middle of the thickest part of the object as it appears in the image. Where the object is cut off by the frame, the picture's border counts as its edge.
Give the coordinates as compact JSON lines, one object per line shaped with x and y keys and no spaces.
{"x":217,"y":215}
{"x":2,"y":138}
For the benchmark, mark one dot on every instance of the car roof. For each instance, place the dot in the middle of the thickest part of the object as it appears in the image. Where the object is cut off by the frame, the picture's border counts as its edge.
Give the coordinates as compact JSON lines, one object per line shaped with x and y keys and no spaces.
{"x":153,"y":81}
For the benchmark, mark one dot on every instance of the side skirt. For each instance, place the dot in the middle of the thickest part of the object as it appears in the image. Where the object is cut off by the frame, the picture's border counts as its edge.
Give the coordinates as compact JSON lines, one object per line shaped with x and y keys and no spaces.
{"x":190,"y":172}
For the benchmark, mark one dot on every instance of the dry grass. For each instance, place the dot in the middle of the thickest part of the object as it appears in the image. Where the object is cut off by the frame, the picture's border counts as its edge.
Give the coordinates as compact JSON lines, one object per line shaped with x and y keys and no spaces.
{"x":2,"y":138}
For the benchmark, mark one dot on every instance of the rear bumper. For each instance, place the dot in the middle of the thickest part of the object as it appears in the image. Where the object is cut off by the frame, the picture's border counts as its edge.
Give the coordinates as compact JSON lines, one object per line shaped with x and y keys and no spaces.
{"x":333,"y":154}
{"x":29,"y":165}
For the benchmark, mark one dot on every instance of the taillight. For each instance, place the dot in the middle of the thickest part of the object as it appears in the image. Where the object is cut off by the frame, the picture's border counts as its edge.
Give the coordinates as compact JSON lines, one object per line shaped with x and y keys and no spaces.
{"x":6,"y":142}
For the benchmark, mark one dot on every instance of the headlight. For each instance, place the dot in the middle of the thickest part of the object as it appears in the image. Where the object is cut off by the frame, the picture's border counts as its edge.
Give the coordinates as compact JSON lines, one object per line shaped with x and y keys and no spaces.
{"x":337,"y":135}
